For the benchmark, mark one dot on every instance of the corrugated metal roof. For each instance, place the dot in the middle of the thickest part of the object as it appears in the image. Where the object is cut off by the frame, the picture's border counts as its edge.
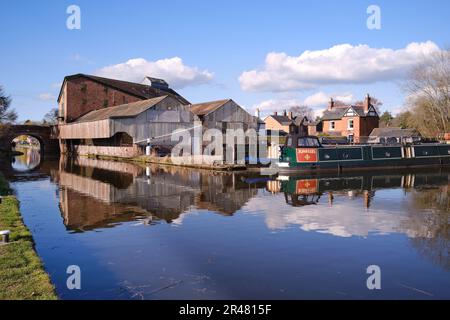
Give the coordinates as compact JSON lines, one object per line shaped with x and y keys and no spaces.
{"x":139,"y":90}
{"x":202,"y":109}
{"x":122,"y":111}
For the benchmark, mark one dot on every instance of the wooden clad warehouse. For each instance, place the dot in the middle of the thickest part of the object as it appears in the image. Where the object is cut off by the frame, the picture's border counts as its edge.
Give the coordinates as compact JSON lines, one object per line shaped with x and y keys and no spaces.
{"x":125,"y":126}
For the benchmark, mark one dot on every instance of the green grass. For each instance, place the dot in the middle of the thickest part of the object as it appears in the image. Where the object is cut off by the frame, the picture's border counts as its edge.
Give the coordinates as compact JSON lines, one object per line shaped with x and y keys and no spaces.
{"x":22,"y":276}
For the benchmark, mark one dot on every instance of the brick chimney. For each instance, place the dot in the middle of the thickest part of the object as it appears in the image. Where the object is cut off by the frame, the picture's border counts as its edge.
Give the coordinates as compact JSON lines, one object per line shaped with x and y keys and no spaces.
{"x":290,"y":115}
{"x":367,"y":103}
{"x":285,"y":113}
{"x":275,"y":113}
{"x":331,"y":104}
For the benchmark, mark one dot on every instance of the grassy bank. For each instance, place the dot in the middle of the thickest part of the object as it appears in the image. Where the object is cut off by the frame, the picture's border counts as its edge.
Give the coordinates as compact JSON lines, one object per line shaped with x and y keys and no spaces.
{"x":22,"y":275}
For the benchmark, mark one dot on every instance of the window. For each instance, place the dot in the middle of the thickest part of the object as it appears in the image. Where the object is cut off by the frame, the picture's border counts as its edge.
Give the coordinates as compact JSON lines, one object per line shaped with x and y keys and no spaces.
{"x":308,"y":142}
{"x":350,"y":124}
{"x":351,"y":138}
{"x":332,"y":125}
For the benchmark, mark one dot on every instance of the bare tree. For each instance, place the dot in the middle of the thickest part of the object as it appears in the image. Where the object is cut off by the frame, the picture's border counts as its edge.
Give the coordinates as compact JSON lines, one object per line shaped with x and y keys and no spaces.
{"x":51,"y":117}
{"x":428,"y":88}
{"x":340,"y":103}
{"x":373,"y":101}
{"x":7,"y":115}
{"x":302,"y":111}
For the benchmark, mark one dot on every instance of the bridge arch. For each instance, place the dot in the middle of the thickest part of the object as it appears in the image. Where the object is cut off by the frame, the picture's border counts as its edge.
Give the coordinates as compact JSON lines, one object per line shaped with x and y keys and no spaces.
{"x":48,"y":142}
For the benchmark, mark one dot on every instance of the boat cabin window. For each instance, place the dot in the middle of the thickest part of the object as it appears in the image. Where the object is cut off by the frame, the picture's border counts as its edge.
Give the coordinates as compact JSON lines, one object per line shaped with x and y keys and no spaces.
{"x":308,"y":142}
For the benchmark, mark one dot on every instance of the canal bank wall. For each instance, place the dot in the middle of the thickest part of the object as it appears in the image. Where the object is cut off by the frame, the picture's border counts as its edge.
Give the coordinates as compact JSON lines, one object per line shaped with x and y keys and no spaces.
{"x":22,"y":274}
{"x":167,"y":161}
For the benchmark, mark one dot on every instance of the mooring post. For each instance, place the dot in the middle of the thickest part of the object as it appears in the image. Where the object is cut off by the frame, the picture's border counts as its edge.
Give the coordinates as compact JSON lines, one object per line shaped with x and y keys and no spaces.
{"x":5,"y":235}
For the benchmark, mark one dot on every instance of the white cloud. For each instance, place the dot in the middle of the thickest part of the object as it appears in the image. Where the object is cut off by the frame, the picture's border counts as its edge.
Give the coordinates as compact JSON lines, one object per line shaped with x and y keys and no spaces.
{"x":340,"y":64}
{"x":173,"y":70}
{"x":321,"y":99}
{"x":47,"y":97}
{"x":276,"y":104}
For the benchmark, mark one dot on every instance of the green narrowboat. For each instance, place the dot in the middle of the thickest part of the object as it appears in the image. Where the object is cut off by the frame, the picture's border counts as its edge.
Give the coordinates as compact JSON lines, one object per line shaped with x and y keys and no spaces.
{"x":306,"y":153}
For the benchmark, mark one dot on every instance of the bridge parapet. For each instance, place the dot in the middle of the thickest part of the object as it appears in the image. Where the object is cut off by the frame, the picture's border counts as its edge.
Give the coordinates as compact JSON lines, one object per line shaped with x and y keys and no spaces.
{"x":45,"y":134}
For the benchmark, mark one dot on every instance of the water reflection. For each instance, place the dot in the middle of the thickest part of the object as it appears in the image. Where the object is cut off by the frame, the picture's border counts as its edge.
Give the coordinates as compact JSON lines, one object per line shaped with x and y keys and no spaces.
{"x":29,"y":160}
{"x":96,"y":193}
{"x":209,"y":235}
{"x":347,"y":205}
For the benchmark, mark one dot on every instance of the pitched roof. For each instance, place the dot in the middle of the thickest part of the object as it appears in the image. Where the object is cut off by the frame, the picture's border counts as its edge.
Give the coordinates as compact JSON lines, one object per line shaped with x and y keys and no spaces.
{"x":122,"y":111}
{"x":338,"y":113}
{"x":201,"y":109}
{"x":299,"y":120}
{"x":394,"y":132}
{"x":281,"y":119}
{"x":314,"y":123}
{"x":139,"y":90}
{"x":158,"y":81}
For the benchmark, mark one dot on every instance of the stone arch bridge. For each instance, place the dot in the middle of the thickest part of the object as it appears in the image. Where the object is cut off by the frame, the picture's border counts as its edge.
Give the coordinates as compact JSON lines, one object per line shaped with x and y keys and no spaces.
{"x":46,"y":135}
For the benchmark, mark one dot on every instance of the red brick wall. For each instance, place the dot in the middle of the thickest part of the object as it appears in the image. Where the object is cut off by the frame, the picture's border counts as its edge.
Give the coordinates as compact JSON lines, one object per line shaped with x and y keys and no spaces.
{"x":362,"y":127}
{"x":83,"y":95}
{"x":368,"y":124}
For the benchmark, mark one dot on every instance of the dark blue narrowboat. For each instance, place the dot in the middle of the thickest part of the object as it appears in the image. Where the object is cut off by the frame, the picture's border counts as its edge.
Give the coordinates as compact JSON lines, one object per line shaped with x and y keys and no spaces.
{"x":306,"y":153}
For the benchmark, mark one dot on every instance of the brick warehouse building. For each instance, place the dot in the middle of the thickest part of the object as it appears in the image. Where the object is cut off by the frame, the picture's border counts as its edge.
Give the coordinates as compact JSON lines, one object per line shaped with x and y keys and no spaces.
{"x":355,"y":122}
{"x":82,"y":93}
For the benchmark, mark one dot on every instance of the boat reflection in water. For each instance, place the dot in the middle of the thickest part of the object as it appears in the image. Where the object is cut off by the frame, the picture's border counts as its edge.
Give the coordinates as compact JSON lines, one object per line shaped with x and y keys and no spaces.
{"x":416,"y":204}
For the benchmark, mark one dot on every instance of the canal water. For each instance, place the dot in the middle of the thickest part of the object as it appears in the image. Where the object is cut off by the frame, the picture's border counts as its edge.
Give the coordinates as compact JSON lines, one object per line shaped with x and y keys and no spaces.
{"x":174,"y":233}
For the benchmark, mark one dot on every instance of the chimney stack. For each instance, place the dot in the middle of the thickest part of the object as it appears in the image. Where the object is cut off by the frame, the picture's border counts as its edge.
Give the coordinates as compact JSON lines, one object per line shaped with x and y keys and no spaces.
{"x":367,"y":103}
{"x":284,"y":113}
{"x":331,"y":104}
{"x":275,"y":113}
{"x":290,"y":115}
{"x":257,"y":113}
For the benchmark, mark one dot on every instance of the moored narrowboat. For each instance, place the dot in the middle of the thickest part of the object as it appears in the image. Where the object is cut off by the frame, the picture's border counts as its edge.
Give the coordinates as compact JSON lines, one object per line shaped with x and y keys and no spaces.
{"x":306,"y":153}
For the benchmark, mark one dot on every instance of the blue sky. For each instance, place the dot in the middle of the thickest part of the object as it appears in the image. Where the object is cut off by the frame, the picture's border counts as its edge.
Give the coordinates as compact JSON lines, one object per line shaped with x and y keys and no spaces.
{"x":223,"y":47}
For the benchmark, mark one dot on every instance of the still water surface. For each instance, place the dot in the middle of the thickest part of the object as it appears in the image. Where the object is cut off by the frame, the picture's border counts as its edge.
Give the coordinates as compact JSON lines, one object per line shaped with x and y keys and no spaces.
{"x":175,"y":233}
